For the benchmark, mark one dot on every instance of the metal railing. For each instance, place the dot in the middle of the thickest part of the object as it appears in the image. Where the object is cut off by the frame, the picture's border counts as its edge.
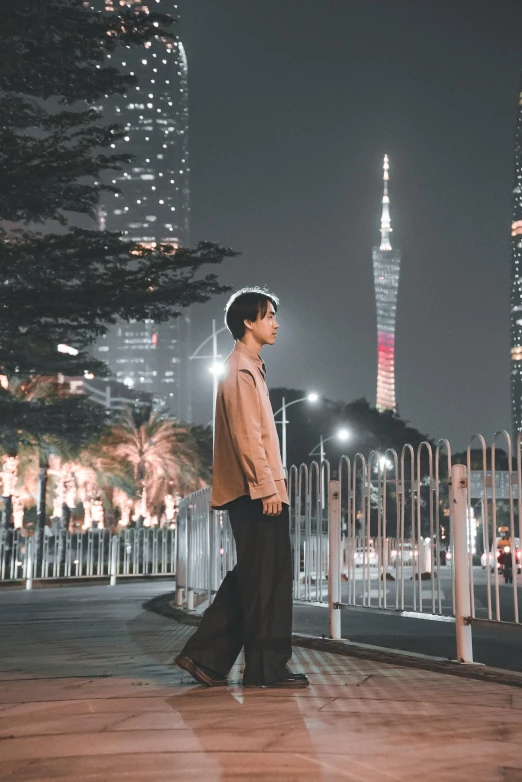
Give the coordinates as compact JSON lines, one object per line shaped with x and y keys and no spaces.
{"x":206,"y":549}
{"x":386,"y":561}
{"x":95,"y":553}
{"x":391,"y":531}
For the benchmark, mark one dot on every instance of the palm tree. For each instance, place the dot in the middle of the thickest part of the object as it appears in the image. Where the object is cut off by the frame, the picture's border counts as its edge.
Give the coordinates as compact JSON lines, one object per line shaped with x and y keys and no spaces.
{"x":163,"y":456}
{"x":54,"y":423}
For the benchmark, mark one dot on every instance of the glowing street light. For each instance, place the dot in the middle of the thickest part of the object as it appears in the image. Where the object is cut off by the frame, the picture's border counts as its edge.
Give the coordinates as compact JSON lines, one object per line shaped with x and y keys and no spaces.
{"x":217,"y":368}
{"x":384,"y":462}
{"x":342,"y":435}
{"x":312,"y":397}
{"x":62,"y":348}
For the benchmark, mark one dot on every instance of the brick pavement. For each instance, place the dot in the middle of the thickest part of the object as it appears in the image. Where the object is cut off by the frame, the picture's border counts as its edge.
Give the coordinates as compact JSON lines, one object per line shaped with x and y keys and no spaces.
{"x":87,"y":692}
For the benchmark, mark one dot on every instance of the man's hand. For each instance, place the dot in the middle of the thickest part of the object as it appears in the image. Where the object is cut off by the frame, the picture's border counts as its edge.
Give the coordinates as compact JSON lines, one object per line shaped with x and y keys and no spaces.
{"x":272,"y":506}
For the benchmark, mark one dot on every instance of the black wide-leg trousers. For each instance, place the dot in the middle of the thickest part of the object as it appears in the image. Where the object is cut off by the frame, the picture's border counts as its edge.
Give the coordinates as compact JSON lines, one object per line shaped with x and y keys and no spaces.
{"x":253,"y":606}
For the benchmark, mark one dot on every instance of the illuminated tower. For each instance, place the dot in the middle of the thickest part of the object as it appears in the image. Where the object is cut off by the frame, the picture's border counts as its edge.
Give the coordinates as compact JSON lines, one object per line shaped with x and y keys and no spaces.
{"x":516,"y":283}
{"x":386,"y":269}
{"x":153,"y":205}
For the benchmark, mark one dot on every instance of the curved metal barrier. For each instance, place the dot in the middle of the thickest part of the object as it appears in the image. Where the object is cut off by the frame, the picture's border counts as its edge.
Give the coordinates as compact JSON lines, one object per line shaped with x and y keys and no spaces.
{"x":95,"y":553}
{"x":388,"y":531}
{"x":409,"y":532}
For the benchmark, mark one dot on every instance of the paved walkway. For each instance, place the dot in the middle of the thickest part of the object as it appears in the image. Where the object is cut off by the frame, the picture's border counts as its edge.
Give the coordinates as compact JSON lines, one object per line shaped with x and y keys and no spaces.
{"x":87,"y":693}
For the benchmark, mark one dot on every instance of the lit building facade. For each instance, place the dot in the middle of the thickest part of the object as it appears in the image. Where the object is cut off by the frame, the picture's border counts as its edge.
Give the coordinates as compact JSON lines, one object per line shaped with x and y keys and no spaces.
{"x":386,"y":270}
{"x":153,"y":206}
{"x":516,"y":283}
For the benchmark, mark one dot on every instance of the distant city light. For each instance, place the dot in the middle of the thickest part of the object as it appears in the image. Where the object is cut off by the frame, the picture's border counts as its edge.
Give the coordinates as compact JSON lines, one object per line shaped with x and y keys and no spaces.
{"x":161,"y":130}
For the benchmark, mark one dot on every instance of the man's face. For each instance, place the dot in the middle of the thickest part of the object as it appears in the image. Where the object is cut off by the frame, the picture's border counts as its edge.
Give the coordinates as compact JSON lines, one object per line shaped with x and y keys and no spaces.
{"x":265,"y":329}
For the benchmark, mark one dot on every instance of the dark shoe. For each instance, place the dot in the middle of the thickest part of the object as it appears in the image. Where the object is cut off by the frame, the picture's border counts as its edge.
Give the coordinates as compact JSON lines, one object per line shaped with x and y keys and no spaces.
{"x":291,"y":682}
{"x":201,"y":674}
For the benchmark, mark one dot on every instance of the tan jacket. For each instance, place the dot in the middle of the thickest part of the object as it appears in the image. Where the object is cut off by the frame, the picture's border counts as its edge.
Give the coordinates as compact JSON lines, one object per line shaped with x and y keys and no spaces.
{"x":246,"y":450}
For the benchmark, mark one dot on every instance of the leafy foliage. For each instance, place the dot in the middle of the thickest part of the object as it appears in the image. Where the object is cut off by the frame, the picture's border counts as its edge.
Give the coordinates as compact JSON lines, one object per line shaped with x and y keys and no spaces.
{"x":163,"y":456}
{"x":38,"y":413}
{"x":69,"y":284}
{"x":70,"y":288}
{"x":369,"y":429}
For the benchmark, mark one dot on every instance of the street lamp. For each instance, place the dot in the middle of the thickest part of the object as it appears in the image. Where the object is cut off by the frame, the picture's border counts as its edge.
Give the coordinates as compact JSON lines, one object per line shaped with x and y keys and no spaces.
{"x":216,"y":369}
{"x":312,"y":397}
{"x":342,"y":435}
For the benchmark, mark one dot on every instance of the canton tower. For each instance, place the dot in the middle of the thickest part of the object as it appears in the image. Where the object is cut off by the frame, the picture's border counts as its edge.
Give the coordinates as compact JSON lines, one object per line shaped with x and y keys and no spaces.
{"x":386,"y":269}
{"x":516,"y":283}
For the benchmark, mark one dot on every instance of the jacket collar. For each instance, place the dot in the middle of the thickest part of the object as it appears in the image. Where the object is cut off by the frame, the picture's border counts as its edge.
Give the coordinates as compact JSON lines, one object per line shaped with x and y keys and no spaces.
{"x":252,"y":355}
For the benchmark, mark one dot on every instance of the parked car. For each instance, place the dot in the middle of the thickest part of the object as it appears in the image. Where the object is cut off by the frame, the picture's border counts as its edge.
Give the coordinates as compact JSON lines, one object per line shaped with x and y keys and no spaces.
{"x":403,"y":554}
{"x":365,"y":556}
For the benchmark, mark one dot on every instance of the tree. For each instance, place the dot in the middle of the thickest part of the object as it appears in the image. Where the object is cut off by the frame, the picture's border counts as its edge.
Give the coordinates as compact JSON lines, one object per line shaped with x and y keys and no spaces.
{"x":203,"y":442}
{"x":369,"y":429}
{"x":69,"y":289}
{"x":163,"y":456}
{"x":38,"y":414}
{"x":69,"y":285}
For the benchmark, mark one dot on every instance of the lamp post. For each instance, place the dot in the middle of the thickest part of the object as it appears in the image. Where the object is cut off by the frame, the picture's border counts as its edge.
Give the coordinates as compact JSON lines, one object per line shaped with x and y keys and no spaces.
{"x":342,"y":435}
{"x":313,"y":397}
{"x":216,"y":369}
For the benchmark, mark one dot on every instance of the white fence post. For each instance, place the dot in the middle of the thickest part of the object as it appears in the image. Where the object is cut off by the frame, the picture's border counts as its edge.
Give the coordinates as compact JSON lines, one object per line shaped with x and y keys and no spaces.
{"x":214,"y":554}
{"x":334,"y":557}
{"x":179,"y":590}
{"x":458,"y":503}
{"x":189,"y":589}
{"x":113,"y":554}
{"x":29,"y":571}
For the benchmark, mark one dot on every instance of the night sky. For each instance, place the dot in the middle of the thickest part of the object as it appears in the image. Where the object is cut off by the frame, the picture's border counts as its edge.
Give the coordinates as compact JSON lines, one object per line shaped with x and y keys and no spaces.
{"x":293,"y":105}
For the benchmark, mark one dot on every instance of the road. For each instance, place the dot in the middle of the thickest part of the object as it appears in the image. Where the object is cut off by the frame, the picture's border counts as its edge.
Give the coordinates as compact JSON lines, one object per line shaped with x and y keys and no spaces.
{"x":431,"y":596}
{"x":497,"y":644}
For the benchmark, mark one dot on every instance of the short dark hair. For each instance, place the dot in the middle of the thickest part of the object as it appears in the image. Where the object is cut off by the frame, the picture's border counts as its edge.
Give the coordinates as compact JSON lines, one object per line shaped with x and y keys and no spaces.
{"x":247,"y":304}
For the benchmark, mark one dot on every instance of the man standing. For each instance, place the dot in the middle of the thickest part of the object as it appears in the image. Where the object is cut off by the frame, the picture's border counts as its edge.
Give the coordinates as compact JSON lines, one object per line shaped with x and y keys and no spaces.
{"x":253,"y":606}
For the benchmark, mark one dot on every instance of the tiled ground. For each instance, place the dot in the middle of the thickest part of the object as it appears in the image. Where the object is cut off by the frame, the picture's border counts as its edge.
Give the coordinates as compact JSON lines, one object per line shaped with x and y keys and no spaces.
{"x":87,"y":693}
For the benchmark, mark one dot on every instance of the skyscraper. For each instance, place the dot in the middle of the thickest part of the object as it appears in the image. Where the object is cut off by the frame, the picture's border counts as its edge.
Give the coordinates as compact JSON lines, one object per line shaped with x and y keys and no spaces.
{"x":386,"y":269}
{"x":516,"y":283}
{"x":153,"y":205}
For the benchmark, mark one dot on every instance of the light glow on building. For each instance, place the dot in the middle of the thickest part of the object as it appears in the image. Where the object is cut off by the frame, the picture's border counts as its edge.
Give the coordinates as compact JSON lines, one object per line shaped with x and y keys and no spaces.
{"x":516,"y":284}
{"x":386,"y":269}
{"x":153,"y":207}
